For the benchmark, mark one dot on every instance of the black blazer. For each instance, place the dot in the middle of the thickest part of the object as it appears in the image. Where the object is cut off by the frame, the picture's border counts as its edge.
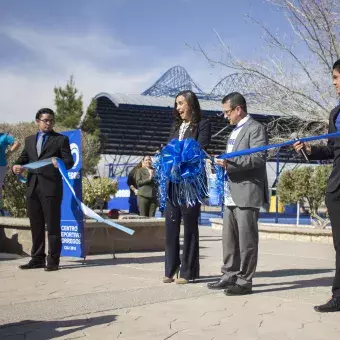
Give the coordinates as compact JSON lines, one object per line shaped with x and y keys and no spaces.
{"x":202,"y":133}
{"x":49,"y":177}
{"x":331,"y":151}
{"x":131,"y":180}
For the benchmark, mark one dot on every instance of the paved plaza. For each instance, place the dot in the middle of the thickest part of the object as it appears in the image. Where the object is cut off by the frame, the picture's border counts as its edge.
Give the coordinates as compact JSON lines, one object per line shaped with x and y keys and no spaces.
{"x":124,"y":298}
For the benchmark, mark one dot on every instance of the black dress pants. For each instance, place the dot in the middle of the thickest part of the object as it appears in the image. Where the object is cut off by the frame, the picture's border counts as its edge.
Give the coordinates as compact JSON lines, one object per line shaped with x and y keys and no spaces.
{"x":333,"y":206}
{"x":45,"y":210}
{"x":190,"y":257}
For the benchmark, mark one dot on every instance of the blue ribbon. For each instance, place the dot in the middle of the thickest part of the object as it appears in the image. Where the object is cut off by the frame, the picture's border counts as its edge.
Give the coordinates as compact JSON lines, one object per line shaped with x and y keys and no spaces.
{"x":278,"y":145}
{"x":86,"y":210}
{"x":182,"y":163}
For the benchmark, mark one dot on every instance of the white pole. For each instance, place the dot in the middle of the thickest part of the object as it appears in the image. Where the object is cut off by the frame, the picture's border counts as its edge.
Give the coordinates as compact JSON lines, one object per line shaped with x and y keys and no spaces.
{"x":297,"y":213}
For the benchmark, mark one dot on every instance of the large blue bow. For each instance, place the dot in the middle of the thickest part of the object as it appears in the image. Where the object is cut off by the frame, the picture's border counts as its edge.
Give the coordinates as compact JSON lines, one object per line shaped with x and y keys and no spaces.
{"x":182,"y":160}
{"x":181,"y":165}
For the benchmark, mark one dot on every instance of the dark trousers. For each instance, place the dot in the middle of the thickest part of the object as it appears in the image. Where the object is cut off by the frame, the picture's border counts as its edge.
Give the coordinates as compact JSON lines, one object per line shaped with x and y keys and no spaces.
{"x":133,"y":205}
{"x":240,"y":240}
{"x":44,"y":210}
{"x":333,"y":206}
{"x":190,"y":257}
{"x":147,"y":206}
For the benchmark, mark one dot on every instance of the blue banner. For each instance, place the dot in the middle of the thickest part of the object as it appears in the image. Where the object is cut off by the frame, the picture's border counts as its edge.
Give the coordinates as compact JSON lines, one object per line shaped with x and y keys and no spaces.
{"x":121,"y":199}
{"x":72,"y":218}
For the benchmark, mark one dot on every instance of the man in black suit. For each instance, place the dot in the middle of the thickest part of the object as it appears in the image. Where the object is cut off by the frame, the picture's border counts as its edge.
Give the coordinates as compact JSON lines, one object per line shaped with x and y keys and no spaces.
{"x":331,"y":151}
{"x":44,"y":189}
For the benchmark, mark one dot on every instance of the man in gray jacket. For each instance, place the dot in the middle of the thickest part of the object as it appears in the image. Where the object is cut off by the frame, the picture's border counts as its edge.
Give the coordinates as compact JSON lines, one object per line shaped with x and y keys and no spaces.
{"x":246,"y":190}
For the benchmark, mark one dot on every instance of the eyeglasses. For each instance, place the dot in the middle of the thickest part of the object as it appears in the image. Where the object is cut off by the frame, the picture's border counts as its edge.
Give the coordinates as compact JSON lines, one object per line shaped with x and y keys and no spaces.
{"x":227,"y":112}
{"x":47,"y":121}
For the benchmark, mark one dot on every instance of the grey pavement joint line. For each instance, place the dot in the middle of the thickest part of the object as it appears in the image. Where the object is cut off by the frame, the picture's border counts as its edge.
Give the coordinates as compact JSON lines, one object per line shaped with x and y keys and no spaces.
{"x":171,"y":322}
{"x":171,"y":335}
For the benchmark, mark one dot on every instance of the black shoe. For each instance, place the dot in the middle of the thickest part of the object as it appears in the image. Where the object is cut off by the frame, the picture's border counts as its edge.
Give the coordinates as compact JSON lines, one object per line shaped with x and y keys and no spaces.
{"x":237,"y":290}
{"x":333,"y":305}
{"x":222,"y":284}
{"x":32,"y":265}
{"x":51,"y":268}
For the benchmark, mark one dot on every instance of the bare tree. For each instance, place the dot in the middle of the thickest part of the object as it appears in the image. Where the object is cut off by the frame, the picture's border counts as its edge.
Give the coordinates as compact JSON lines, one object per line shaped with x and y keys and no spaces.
{"x":290,"y":80}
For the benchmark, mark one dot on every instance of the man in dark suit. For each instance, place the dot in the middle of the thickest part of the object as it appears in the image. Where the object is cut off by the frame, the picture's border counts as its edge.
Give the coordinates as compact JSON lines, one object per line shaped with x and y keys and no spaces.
{"x":44,"y":189}
{"x":331,"y":151}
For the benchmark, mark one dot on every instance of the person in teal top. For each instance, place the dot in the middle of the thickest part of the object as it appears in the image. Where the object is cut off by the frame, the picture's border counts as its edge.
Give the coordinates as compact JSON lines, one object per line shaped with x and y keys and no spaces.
{"x":6,"y":140}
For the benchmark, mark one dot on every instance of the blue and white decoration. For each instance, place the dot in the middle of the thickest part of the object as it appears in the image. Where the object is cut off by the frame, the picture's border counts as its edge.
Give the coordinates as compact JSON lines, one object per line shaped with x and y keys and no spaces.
{"x":181,"y":164}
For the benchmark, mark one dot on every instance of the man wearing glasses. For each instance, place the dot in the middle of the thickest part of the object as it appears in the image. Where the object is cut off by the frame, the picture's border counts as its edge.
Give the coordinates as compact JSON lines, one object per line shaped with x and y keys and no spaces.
{"x":246,"y":190}
{"x":44,"y":189}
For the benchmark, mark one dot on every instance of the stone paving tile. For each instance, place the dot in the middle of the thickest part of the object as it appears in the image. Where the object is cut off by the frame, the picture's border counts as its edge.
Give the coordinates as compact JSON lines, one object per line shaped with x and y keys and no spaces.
{"x":125,"y":299}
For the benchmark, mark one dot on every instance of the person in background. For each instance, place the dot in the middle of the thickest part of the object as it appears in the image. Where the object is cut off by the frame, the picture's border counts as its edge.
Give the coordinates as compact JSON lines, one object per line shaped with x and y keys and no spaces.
{"x":188,"y":123}
{"x":44,"y":189}
{"x":131,"y":182}
{"x":147,"y":188}
{"x":6,"y":140}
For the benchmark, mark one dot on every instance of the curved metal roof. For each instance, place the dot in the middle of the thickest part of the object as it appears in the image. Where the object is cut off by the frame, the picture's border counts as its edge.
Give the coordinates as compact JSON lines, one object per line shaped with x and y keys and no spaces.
{"x":174,"y":80}
{"x":138,"y":99}
{"x":168,"y":102}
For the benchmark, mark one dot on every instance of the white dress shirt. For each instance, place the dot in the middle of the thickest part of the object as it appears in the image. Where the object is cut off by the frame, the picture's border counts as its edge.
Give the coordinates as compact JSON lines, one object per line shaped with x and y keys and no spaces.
{"x":182,"y":129}
{"x":228,"y":200}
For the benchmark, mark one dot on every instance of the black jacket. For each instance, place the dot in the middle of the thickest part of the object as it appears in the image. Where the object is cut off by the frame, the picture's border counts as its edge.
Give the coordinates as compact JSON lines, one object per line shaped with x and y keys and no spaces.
{"x":49,"y":177}
{"x":331,"y":151}
{"x":202,"y":133}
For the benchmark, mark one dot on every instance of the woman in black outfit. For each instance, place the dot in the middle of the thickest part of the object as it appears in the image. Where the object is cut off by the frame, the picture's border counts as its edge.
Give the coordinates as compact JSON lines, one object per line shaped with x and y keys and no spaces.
{"x":188,"y":123}
{"x":131,"y":182}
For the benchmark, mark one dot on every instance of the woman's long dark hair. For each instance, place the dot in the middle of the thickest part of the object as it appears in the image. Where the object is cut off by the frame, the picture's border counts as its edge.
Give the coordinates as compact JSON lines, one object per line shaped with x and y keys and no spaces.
{"x":194,"y":106}
{"x":135,"y":168}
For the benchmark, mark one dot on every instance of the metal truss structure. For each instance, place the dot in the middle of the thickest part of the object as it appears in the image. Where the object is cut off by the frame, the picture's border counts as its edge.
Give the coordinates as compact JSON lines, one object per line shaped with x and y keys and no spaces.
{"x":246,"y":83}
{"x":177,"y":79}
{"x":173,"y":81}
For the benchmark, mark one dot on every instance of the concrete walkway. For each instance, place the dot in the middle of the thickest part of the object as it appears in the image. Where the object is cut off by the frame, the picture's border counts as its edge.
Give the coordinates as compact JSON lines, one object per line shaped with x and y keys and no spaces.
{"x":125,"y":299}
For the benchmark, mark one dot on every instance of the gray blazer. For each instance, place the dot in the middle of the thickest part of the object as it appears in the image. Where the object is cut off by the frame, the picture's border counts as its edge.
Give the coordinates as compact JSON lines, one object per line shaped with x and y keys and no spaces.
{"x":247,"y":174}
